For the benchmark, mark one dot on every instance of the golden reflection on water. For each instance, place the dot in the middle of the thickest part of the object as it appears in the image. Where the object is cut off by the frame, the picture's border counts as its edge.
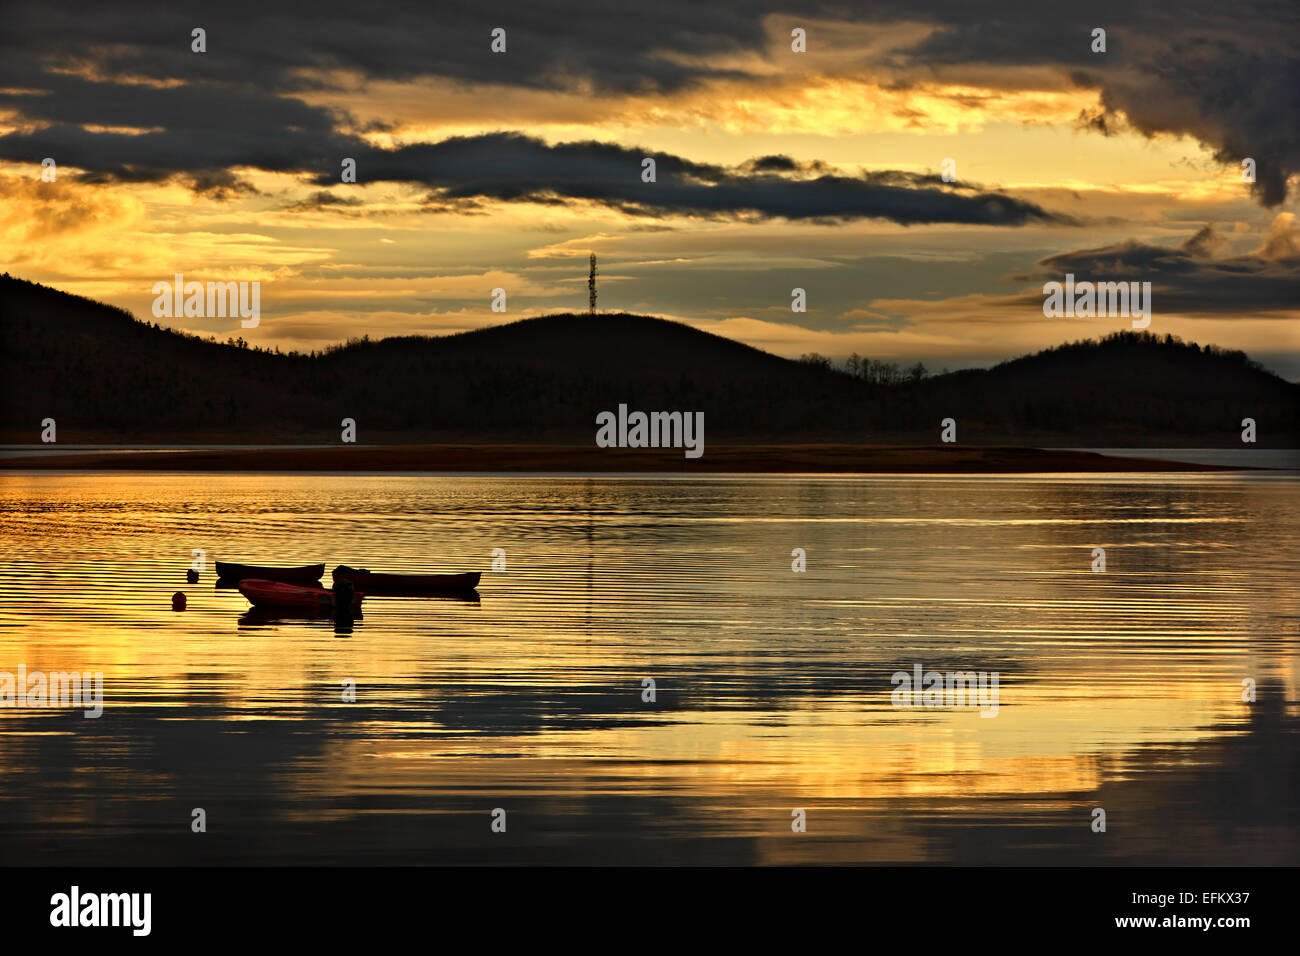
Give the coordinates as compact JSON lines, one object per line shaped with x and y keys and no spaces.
{"x":773,"y":688}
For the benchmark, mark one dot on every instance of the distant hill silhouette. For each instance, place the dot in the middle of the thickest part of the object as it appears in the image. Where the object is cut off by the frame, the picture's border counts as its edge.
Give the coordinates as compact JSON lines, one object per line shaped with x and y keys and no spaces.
{"x":106,"y":377}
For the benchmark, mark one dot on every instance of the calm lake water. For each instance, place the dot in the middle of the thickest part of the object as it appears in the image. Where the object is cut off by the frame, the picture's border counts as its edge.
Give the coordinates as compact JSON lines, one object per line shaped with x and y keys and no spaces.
{"x":1119,"y":690}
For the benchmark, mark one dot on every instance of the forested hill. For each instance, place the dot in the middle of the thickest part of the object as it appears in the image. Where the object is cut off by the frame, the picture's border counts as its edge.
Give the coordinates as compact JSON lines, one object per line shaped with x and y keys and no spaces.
{"x":106,"y":377}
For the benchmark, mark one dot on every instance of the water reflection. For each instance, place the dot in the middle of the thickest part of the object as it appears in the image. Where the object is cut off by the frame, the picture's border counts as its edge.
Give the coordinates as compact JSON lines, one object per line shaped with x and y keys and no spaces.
{"x":772,"y":688}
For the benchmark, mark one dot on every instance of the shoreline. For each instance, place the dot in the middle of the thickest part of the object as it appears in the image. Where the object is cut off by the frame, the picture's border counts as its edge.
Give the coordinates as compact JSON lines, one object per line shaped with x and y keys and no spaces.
{"x":740,"y":459}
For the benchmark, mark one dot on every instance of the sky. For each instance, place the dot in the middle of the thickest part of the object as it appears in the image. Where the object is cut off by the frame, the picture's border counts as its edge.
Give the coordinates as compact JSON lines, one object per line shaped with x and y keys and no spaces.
{"x":775,"y":168}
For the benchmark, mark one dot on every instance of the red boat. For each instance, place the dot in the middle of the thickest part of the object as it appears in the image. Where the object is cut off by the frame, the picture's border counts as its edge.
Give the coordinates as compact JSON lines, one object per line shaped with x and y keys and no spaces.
{"x":377,"y":582}
{"x":262,"y":593}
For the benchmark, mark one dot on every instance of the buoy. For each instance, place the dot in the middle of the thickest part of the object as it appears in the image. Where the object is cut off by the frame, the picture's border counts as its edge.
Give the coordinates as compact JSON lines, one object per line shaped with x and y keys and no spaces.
{"x":192,"y":576}
{"x":178,"y":601}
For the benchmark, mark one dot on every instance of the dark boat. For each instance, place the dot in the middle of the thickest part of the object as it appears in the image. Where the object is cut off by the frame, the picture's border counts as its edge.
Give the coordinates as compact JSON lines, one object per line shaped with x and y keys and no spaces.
{"x":378,"y":582}
{"x":307,"y":574}
{"x":281,"y":595}
{"x":455,"y":596}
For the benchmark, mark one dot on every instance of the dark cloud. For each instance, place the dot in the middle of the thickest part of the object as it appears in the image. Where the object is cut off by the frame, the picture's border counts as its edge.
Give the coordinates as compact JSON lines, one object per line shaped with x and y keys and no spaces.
{"x":773,"y":164}
{"x":1223,"y":73}
{"x":550,"y":45}
{"x":1207,"y":241}
{"x":1226,"y":76}
{"x":1190,"y":278}
{"x":462,"y":172}
{"x":511,"y":167}
{"x":322,"y":200}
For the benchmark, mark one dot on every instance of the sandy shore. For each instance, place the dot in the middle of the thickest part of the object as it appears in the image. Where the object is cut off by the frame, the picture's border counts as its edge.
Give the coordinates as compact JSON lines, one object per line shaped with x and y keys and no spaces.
{"x":749,"y":459}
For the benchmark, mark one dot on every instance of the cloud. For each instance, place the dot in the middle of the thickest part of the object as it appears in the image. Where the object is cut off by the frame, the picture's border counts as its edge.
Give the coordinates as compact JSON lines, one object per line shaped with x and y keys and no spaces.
{"x":1189,"y":68}
{"x":1282,"y":243}
{"x":321,"y":199}
{"x":53,"y":226}
{"x":1207,"y":242}
{"x":1224,"y":76}
{"x":464,"y":172}
{"x":512,"y":167}
{"x":1189,"y":278}
{"x":32,"y":211}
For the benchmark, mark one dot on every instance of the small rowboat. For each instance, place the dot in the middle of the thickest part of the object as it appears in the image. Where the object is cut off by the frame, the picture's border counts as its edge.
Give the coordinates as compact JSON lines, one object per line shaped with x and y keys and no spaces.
{"x":377,"y":582}
{"x":307,"y":574}
{"x":279,"y":594}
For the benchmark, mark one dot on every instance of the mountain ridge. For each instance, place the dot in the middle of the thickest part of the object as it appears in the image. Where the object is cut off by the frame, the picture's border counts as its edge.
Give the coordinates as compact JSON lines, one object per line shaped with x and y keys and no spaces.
{"x":104,"y":375}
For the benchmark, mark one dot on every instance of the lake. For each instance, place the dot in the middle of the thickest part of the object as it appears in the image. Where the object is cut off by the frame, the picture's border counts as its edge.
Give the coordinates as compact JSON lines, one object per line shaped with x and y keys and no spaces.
{"x":773,"y":732}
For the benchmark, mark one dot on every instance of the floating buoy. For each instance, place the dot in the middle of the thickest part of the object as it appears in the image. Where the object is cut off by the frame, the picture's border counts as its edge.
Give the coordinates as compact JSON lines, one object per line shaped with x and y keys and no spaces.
{"x":192,"y":576}
{"x":178,"y":601}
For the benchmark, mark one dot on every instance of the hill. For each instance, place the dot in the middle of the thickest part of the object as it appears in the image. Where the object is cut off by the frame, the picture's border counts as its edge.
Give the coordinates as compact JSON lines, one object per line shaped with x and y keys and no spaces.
{"x":106,"y":377}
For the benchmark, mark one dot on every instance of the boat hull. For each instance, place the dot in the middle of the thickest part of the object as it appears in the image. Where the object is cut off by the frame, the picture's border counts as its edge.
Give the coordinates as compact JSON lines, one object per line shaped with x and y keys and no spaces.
{"x":377,"y":582}
{"x":262,"y":593}
{"x":307,"y":574}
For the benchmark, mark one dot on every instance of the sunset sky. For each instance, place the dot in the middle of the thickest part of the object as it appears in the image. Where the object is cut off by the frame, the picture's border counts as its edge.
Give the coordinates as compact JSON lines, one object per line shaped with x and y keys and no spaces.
{"x":776,"y":169}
